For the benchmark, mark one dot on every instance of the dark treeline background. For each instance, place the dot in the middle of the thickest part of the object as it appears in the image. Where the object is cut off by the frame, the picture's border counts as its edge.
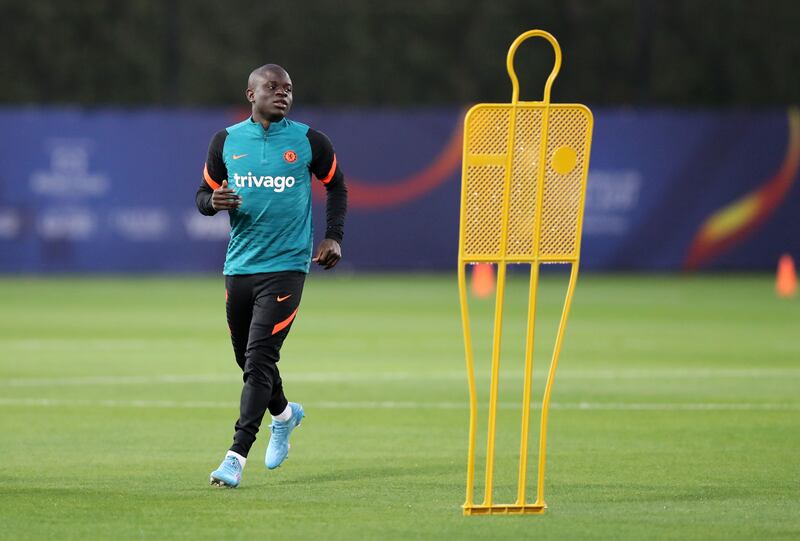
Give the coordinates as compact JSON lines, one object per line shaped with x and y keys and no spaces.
{"x":408,"y":53}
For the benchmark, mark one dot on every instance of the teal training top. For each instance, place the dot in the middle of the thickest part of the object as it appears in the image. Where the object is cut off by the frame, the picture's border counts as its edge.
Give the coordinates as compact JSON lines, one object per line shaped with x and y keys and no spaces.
{"x":271,"y":171}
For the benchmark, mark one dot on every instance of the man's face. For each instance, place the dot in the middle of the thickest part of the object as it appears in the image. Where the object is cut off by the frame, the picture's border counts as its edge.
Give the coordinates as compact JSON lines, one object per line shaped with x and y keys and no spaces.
{"x":271,"y":94}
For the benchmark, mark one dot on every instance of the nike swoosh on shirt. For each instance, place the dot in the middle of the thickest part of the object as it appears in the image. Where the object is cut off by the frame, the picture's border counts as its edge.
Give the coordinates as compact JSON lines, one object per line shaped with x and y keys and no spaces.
{"x":281,"y":299}
{"x":237,"y":156}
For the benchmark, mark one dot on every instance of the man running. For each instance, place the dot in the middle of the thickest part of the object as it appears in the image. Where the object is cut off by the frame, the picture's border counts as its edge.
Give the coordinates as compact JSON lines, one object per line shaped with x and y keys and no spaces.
{"x":259,"y":170}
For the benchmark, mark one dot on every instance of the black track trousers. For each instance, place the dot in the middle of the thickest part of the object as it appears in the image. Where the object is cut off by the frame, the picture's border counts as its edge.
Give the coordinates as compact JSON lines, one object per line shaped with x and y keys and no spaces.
{"x":261,"y":309}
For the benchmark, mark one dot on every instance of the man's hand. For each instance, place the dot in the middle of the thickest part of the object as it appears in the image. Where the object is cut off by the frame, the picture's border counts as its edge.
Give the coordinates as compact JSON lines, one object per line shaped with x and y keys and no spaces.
{"x":224,"y":198}
{"x":328,"y":254}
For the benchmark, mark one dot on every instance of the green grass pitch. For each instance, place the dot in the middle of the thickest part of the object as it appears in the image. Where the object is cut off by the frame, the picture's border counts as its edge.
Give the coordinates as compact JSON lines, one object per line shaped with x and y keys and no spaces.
{"x":676,"y":411}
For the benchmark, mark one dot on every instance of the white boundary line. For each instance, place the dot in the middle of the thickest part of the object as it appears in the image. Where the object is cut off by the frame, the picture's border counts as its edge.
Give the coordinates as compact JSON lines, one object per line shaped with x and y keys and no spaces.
{"x":375,"y":377}
{"x":120,"y":380}
{"x":388,"y":405}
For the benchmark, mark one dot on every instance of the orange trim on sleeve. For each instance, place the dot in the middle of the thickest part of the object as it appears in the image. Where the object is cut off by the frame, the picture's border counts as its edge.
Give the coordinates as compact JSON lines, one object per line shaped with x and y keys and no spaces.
{"x":210,"y":181}
{"x":285,"y":323}
{"x":328,"y":178}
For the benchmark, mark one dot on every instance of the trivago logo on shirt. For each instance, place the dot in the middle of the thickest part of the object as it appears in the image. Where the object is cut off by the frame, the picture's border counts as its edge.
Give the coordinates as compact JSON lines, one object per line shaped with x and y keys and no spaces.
{"x":251,"y":181}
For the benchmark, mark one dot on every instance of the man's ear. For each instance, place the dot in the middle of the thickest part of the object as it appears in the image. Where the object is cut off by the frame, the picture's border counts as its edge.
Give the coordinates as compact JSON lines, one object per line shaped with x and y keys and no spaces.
{"x":251,"y":95}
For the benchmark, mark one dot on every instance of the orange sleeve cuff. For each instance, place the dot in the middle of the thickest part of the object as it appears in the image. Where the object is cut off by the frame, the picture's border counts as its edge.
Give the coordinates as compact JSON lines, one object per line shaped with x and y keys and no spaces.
{"x":328,"y":178}
{"x":210,"y":181}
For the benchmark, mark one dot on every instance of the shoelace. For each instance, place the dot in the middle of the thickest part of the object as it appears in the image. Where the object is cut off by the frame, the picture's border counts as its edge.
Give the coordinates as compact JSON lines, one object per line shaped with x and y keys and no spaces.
{"x":232,"y":464}
{"x":279,"y":427}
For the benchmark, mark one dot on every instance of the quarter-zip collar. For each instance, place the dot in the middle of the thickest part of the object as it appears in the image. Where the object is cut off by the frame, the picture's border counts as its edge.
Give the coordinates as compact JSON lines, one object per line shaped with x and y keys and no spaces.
{"x":274,"y":127}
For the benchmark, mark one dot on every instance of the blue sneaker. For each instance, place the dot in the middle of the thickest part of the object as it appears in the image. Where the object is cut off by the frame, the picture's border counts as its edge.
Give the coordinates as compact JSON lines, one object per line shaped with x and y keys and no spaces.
{"x":278,"y":448}
{"x":229,"y":473}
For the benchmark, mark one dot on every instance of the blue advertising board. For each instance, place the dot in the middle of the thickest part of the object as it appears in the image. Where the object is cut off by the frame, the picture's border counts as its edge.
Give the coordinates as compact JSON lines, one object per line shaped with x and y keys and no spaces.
{"x":112,"y":190}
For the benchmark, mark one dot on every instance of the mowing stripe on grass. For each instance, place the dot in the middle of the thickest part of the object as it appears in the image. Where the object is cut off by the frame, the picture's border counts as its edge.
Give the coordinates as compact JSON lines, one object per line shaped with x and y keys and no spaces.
{"x":96,"y":343}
